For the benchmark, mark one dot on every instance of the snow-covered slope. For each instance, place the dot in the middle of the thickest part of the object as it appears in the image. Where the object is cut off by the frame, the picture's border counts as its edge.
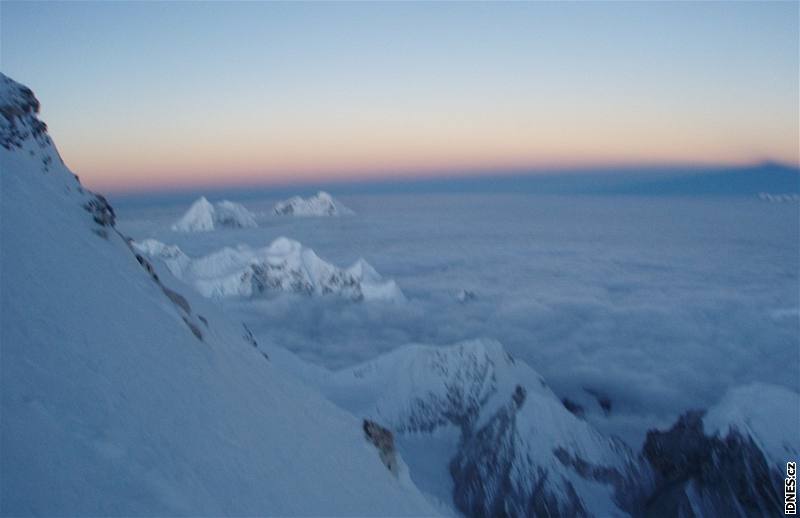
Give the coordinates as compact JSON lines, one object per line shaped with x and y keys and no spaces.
{"x":515,"y":449}
{"x":284,"y":265}
{"x":202,"y":216}
{"x":121,"y":396}
{"x":322,"y":204}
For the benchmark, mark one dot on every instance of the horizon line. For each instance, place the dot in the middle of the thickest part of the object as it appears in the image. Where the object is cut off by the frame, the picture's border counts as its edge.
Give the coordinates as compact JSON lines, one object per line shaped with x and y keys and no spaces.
{"x":424,"y":176}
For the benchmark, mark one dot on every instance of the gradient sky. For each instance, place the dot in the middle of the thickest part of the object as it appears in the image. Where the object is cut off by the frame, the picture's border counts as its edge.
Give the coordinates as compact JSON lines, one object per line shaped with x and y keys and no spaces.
{"x":148,"y":95}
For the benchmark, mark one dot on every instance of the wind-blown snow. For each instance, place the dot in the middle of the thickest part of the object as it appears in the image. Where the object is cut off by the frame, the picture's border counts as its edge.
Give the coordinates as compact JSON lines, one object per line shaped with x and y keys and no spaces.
{"x":117,"y":398}
{"x":202,"y":216}
{"x":322,"y":204}
{"x":284,"y":265}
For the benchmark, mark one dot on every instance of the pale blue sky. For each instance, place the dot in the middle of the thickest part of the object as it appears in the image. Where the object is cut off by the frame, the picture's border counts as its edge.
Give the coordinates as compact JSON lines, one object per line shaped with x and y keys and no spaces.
{"x":175,"y":93}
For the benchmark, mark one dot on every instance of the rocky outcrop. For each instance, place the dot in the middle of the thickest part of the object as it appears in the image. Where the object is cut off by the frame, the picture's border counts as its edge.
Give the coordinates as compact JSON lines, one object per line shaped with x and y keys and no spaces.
{"x":102,"y":212}
{"x":383,"y":440}
{"x":727,"y":461}
{"x":19,"y":108}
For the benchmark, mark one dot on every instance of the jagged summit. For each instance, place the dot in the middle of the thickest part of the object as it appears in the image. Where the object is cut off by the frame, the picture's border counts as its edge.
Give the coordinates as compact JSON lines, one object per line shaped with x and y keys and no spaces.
{"x":284,"y":265}
{"x":322,"y":204}
{"x":203,"y":216}
{"x":19,"y":107}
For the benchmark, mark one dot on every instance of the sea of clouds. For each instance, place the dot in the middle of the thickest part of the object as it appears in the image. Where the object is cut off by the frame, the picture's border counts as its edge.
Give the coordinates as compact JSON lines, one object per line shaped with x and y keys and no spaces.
{"x":659,"y":303}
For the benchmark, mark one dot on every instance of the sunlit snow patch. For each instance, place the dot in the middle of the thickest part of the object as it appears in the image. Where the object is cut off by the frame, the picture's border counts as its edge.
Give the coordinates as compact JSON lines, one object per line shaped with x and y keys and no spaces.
{"x":202,"y":216}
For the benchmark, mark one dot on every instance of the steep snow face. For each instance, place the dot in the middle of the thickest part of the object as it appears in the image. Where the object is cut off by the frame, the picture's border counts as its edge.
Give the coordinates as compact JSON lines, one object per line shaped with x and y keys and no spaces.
{"x":322,"y":204}
{"x":121,"y":396}
{"x":202,"y":216}
{"x":729,"y":461}
{"x":284,"y":265}
{"x":518,"y":451}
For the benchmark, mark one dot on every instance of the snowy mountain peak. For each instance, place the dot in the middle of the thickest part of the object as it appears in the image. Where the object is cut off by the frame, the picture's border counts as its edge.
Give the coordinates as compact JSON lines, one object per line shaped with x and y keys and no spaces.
{"x":202,"y":216}
{"x":323,"y":204}
{"x":16,"y":100}
{"x":284,"y":265}
{"x":517,"y":450}
{"x":20,"y":127}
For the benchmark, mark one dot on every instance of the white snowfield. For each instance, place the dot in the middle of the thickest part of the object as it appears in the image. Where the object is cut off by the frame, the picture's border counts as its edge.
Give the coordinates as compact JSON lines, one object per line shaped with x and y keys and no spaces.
{"x":118,"y":399}
{"x":284,"y":265}
{"x":202,"y":216}
{"x":322,"y":204}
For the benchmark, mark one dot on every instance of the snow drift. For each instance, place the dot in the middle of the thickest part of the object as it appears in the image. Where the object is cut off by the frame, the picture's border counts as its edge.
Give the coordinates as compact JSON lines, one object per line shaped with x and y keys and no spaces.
{"x":121,"y":396}
{"x":322,"y":204}
{"x":202,"y":216}
{"x":284,"y":265}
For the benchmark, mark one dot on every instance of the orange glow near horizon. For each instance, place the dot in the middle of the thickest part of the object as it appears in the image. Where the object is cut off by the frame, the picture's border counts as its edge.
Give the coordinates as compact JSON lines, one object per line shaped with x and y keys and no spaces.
{"x":163,"y":95}
{"x":207,"y":160}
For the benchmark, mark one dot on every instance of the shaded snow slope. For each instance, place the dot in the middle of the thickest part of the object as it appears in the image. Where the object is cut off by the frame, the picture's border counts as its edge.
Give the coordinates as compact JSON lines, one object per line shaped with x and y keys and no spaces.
{"x":202,"y":216}
{"x":284,"y":265}
{"x":120,"y":396}
{"x":322,"y":204}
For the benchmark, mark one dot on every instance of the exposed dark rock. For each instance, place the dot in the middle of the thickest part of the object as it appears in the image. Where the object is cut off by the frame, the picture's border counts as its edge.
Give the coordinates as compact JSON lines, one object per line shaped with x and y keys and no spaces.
{"x":573,"y":407}
{"x":194,"y":329}
{"x":148,"y":266}
{"x":248,"y":336}
{"x":178,"y":299}
{"x":101,"y":211}
{"x":698,"y":475}
{"x":19,"y":117}
{"x":383,"y":440}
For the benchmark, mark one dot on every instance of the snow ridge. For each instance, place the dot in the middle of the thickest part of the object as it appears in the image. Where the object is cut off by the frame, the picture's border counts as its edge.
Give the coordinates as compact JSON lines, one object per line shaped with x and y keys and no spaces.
{"x":202,"y":216}
{"x":284,"y":265}
{"x":322,"y":204}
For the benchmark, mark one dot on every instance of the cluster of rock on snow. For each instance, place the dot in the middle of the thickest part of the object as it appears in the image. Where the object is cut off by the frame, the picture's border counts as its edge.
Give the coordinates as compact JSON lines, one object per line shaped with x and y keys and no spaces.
{"x":284,"y":265}
{"x":203,"y":216}
{"x":322,"y":204}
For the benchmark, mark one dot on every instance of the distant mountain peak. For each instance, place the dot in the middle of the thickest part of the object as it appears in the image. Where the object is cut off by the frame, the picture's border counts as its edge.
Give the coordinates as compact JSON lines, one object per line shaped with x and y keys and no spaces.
{"x":322,"y":204}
